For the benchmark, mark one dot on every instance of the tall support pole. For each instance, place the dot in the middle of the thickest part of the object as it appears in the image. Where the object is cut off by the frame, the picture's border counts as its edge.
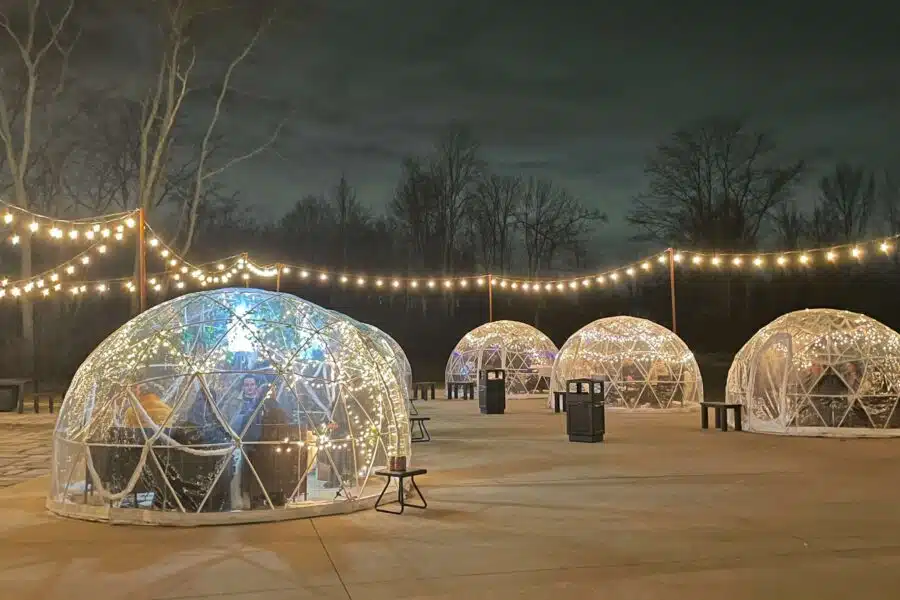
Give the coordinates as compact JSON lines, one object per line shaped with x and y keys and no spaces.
{"x":278,"y":266}
{"x":246,"y":258}
{"x":490,"y":284}
{"x":671,"y":252}
{"x":142,"y":261}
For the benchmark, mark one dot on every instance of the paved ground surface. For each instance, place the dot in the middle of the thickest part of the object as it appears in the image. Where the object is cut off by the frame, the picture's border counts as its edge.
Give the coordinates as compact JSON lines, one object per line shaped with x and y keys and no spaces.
{"x":24,"y":446}
{"x":662,"y":510}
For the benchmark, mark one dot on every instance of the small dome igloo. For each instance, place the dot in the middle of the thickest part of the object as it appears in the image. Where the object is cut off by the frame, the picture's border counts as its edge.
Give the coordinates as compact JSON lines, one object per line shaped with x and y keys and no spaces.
{"x":228,"y":405}
{"x":644,"y":364}
{"x":524,"y":352}
{"x":819,"y":372}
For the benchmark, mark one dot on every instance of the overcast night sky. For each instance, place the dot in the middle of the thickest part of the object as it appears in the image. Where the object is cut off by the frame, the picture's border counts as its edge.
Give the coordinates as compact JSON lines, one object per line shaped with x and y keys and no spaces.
{"x":562,"y":89}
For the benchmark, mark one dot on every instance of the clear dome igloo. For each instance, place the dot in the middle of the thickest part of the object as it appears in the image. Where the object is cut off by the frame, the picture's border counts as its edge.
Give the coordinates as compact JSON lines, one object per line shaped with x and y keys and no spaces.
{"x":819,"y":372}
{"x":644,"y":364}
{"x":228,"y":405}
{"x":524,"y":352}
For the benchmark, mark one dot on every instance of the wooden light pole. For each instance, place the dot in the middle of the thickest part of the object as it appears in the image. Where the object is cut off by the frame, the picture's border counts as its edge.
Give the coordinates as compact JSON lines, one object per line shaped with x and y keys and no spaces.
{"x":671,"y":252}
{"x":490,"y":284}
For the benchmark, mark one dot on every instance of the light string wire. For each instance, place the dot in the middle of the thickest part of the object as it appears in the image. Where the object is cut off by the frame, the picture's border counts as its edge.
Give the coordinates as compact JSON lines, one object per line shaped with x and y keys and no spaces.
{"x":11,"y":213}
{"x":224,"y":270}
{"x":51,"y":277}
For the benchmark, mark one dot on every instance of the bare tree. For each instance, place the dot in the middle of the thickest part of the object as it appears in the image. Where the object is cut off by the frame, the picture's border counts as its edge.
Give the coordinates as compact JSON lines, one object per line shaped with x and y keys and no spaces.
{"x":890,"y":199}
{"x":32,"y":76}
{"x":414,"y":207}
{"x":307,"y":228}
{"x":204,"y":172}
{"x":846,"y":202}
{"x":790,"y":225}
{"x":551,"y":219}
{"x":713,"y":185}
{"x":496,"y":202}
{"x":350,"y":218}
{"x":455,"y":170}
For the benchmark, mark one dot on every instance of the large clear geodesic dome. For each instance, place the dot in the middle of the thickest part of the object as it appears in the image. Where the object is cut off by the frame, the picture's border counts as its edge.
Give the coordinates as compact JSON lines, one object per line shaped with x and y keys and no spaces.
{"x":643,"y":364}
{"x":392,"y":350}
{"x":228,"y":405}
{"x":819,"y":372}
{"x":524,"y":352}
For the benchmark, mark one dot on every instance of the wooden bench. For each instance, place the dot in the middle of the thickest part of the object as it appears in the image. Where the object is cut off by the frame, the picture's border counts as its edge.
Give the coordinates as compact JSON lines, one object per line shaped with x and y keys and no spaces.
{"x":721,"y":415}
{"x":467,"y":388}
{"x":17,"y":386}
{"x":400,"y":476}
{"x":38,"y":396}
{"x":423,"y":435}
{"x":424,"y":387}
{"x":411,"y":406}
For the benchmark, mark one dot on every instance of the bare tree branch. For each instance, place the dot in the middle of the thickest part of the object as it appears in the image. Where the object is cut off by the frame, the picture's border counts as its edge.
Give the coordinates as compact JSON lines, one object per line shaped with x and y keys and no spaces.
{"x":846,"y":202}
{"x":712,"y":185}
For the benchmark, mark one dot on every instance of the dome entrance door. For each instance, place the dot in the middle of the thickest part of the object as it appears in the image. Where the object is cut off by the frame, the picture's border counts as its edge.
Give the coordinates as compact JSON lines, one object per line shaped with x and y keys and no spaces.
{"x":767,"y":402}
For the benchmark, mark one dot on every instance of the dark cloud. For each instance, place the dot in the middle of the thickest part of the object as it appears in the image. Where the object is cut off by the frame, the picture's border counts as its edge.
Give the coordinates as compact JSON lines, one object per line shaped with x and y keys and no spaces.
{"x":562,"y":89}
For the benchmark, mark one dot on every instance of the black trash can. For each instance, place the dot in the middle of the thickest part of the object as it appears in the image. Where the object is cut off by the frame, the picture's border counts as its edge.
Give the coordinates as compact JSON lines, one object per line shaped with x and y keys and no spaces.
{"x":585,"y":410}
{"x":492,"y":391}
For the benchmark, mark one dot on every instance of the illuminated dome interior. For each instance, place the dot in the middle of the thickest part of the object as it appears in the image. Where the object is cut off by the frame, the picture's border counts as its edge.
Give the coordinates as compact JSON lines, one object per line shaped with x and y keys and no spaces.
{"x":224,"y":405}
{"x":524,"y":352}
{"x":644,"y":364}
{"x":819,"y":372}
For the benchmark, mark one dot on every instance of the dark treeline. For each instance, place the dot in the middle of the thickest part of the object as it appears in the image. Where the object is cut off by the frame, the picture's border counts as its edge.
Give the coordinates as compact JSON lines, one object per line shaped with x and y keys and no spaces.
{"x":450,"y":214}
{"x":71,"y":147}
{"x":713,"y":187}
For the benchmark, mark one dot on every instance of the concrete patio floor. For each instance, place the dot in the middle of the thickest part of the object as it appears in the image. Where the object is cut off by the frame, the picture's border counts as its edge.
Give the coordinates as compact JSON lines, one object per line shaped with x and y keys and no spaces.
{"x":661,"y":510}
